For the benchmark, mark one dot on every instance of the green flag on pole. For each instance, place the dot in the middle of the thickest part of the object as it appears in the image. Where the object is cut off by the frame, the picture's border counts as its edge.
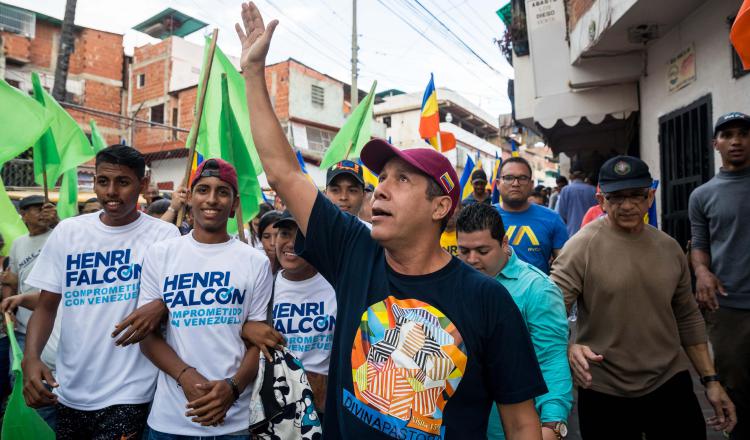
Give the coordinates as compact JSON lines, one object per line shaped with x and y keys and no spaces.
{"x":97,"y":140}
{"x":234,"y":151}
{"x":59,"y":151}
{"x":21,"y":422}
{"x":24,"y":121}
{"x":209,"y":133}
{"x":506,"y":14}
{"x":356,"y":132}
{"x":11,"y":225}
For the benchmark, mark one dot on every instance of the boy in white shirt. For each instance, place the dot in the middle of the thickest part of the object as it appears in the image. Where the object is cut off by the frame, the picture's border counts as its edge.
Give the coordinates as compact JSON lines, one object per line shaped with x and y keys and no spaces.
{"x":211,"y":285}
{"x":90,"y":267}
{"x":304,"y":310}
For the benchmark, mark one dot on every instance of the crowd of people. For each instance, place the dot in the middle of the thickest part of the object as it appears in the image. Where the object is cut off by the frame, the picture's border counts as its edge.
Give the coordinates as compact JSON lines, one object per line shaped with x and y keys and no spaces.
{"x":414,"y":314}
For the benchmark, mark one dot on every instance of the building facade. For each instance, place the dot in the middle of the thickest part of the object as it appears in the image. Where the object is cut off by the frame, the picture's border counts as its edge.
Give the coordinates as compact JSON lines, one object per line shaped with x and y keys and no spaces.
{"x":599,"y":78}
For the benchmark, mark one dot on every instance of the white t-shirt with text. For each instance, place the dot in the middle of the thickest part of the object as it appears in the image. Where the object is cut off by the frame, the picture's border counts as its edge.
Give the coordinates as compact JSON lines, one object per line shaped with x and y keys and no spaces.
{"x":210,"y":291}
{"x":96,"y":269}
{"x":305,"y":313}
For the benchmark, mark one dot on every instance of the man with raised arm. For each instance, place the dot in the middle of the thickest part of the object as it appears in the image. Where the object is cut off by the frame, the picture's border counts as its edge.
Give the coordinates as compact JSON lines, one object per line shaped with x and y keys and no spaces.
{"x":423,"y":345}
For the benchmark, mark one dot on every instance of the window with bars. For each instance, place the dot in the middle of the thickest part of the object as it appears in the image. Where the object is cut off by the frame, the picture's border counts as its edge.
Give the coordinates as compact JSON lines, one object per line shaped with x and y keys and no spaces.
{"x":318,"y":96}
{"x":318,"y":140}
{"x":141,"y":80}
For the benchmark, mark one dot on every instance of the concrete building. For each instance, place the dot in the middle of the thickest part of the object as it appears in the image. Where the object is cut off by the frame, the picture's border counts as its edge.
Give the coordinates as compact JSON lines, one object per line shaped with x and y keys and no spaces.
{"x":476,"y":131}
{"x":647,"y":78}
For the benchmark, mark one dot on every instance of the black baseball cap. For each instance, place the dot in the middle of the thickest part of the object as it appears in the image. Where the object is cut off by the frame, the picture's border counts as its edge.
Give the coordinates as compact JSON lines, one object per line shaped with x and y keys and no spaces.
{"x":730,"y":117}
{"x":286,"y":217}
{"x":31,"y":201}
{"x":478,"y":175}
{"x":624,"y":172}
{"x":345,"y":167}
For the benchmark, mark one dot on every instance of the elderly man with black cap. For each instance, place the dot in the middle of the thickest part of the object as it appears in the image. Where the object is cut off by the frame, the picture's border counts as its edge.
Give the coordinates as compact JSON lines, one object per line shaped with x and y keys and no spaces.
{"x":423,"y":344}
{"x":480,"y":193}
{"x":720,"y":222}
{"x":636,"y":314}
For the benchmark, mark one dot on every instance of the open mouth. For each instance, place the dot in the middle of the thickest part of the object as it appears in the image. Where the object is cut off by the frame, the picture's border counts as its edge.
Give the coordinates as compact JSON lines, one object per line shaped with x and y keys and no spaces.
{"x":112,"y":204}
{"x":379,"y":212}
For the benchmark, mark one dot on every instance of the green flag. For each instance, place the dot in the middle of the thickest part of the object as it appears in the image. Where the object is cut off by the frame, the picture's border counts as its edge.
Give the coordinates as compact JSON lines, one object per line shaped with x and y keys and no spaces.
{"x":235,"y":151}
{"x":97,"y":140}
{"x":21,"y":422}
{"x":506,"y":14}
{"x":355,"y":133}
{"x":59,"y":151}
{"x":11,"y":225}
{"x":24,"y":121}
{"x":209,"y":133}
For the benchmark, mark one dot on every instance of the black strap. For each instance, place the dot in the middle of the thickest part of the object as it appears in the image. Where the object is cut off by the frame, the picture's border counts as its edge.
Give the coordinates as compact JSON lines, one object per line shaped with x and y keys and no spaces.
{"x":269,"y":309}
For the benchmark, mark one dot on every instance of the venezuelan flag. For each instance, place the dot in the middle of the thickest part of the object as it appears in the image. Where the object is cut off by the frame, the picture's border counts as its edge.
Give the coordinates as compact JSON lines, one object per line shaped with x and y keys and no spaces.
{"x":197,"y":159}
{"x":370,"y":177}
{"x":495,"y":176}
{"x":651,"y":218}
{"x":465,"y":180}
{"x":302,"y":165}
{"x":429,"y":123}
{"x":740,"y":34}
{"x":514,"y":148}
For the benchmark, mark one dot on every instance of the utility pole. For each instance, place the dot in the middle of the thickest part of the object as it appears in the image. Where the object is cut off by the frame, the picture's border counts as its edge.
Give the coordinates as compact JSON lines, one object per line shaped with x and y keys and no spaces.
{"x":67,"y":41}
{"x":354,"y":90}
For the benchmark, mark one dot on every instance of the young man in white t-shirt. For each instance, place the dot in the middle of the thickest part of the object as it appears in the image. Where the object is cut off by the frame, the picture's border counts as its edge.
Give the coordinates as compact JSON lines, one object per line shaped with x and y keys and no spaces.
{"x":304,"y":310}
{"x":212,"y":285}
{"x":90,"y":267}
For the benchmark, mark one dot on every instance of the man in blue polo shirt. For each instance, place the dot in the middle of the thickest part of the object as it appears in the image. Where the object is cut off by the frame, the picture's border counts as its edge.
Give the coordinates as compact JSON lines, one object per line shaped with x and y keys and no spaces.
{"x":482,"y":245}
{"x":536,"y":233}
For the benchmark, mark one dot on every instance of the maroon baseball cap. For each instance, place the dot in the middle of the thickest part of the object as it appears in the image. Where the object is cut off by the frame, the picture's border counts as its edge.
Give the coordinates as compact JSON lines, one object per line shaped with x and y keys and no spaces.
{"x":216,"y":168}
{"x":378,"y":152}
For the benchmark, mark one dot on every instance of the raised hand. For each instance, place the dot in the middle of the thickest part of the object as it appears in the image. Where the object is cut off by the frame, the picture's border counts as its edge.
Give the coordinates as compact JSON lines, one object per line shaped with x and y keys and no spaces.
{"x":255,"y":37}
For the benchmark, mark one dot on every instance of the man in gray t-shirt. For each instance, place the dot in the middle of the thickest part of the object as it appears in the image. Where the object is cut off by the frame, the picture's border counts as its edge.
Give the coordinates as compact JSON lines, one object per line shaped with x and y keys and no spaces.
{"x":23,"y":253}
{"x":720,"y":222}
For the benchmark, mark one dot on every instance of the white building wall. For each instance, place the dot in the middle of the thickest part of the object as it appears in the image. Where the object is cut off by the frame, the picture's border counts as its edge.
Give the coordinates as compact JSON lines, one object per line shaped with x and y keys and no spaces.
{"x":707,"y":29}
{"x":300,"y":99}
{"x":168,"y":170}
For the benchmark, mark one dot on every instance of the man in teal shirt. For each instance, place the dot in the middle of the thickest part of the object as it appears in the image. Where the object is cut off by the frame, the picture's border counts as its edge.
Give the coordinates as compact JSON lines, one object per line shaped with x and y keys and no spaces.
{"x":482,"y":244}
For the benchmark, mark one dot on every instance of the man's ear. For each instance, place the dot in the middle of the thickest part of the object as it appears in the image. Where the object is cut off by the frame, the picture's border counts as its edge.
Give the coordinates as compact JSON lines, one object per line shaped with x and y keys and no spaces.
{"x":235,"y":205}
{"x":145,"y":182}
{"x":442,"y":207}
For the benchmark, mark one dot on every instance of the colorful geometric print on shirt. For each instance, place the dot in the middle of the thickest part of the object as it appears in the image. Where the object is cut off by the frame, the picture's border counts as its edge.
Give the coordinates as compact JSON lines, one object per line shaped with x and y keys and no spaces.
{"x":96,"y":269}
{"x":451,"y":343}
{"x":407,"y":361}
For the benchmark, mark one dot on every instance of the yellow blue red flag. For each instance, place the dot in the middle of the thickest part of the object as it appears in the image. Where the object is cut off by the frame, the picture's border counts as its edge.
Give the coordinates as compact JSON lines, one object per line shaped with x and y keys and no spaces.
{"x":429,"y":123}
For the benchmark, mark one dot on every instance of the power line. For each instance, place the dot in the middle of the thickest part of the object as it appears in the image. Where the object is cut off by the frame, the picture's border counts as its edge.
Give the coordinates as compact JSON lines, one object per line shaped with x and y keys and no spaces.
{"x":408,"y":23}
{"x":459,"y":39}
{"x":481,"y":19}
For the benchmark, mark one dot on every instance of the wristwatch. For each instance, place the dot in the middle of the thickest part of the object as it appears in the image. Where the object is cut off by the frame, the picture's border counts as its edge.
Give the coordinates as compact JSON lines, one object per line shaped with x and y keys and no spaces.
{"x":560,"y":428}
{"x":711,"y":378}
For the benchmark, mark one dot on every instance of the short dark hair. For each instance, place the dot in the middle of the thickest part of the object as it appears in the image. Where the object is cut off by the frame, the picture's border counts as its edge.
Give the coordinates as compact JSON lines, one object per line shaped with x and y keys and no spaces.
{"x":434,"y":190}
{"x":119,"y":154}
{"x":561,"y":180}
{"x":480,"y":217}
{"x":267,"y":220}
{"x":516,"y":159}
{"x":264,"y":208}
{"x":537,"y":194}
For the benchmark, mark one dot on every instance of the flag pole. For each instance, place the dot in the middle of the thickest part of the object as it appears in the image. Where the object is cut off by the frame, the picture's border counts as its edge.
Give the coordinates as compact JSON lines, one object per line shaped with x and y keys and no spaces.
{"x":240,"y":223}
{"x":198,"y":116}
{"x":46,"y":186}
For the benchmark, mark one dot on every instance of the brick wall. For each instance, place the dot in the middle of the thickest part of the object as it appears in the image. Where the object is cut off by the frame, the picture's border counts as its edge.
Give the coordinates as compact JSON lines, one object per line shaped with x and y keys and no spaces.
{"x":277,"y":80}
{"x":575,"y":9}
{"x":16,"y":47}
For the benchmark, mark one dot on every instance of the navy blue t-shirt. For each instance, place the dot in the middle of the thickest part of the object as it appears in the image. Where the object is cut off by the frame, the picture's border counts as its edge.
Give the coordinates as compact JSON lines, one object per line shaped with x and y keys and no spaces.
{"x":534,"y":233}
{"x":414,"y":357}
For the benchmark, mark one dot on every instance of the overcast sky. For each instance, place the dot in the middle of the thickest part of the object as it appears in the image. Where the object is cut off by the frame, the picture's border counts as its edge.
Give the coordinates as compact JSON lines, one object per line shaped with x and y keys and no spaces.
{"x":318,"y":33}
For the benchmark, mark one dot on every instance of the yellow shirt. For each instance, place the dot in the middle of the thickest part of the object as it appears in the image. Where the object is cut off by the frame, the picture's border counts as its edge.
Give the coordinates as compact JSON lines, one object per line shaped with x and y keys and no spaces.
{"x":449,"y":242}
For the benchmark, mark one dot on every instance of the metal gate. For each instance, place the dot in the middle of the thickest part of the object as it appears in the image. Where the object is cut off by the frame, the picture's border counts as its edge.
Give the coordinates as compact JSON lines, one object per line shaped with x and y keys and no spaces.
{"x":687,"y":161}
